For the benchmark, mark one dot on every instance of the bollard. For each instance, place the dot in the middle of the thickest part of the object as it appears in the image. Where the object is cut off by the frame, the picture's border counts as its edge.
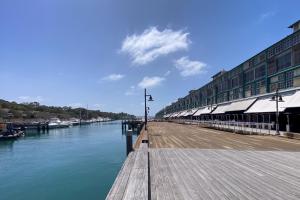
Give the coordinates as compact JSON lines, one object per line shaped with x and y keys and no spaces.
{"x":39,"y":127}
{"x":129,"y":142}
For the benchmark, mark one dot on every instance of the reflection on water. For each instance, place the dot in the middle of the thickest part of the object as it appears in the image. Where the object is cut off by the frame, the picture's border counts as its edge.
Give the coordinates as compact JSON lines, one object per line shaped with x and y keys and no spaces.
{"x":80,"y":162}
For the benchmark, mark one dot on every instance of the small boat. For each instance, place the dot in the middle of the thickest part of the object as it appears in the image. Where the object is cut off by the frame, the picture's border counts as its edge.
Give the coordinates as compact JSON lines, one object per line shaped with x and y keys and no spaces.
{"x":56,"y":123}
{"x":74,"y":121}
{"x":10,"y":135}
{"x":7,"y":132}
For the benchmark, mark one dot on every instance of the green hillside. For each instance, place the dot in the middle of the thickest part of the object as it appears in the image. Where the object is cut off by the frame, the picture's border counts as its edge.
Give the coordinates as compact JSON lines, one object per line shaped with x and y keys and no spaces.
{"x":12,"y":111}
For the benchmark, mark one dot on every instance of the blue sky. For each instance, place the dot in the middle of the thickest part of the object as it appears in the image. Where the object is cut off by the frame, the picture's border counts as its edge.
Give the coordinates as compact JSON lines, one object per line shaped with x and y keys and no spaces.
{"x":102,"y":53}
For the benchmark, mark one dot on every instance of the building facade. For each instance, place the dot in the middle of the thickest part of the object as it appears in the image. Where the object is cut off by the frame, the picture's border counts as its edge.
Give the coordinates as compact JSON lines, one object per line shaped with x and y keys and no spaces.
{"x":277,"y":67}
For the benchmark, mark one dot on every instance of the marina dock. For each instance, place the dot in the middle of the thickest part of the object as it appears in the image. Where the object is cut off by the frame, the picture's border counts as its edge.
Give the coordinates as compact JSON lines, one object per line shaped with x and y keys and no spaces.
{"x":191,"y":162}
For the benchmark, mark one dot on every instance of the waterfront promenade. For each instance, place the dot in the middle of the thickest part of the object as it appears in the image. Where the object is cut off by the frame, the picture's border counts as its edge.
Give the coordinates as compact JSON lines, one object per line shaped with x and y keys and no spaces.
{"x":190,"y":162}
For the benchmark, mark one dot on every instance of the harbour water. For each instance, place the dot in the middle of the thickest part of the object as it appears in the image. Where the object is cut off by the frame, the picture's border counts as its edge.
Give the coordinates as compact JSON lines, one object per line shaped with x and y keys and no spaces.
{"x":73,"y":163}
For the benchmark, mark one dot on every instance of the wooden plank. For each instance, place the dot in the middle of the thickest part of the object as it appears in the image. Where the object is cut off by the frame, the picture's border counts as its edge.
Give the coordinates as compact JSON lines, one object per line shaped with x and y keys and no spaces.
{"x":118,"y":188}
{"x":172,"y":135}
{"x":224,"y":174}
{"x":189,"y":162}
{"x":132,"y":180}
{"x":143,"y":136}
{"x":137,"y":186}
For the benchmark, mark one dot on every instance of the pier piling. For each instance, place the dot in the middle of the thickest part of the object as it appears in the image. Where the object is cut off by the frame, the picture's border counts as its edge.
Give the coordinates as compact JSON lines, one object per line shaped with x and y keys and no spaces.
{"x":129,"y":147}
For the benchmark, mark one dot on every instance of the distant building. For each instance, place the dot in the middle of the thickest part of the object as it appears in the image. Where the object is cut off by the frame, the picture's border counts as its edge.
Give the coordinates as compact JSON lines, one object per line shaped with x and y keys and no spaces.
{"x":277,"y":67}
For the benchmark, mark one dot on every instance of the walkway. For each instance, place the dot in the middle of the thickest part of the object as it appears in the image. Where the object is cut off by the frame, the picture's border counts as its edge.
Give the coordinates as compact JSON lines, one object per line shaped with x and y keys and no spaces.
{"x":189,"y":162}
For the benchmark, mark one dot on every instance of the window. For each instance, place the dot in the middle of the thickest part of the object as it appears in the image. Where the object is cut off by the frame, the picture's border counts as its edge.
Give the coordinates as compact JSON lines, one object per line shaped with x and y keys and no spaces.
{"x":271,"y":52}
{"x":260,"y":72}
{"x":281,"y":77}
{"x":253,"y":89}
{"x":272,"y":68}
{"x":273,"y":87}
{"x":221,"y":98}
{"x":235,"y":82}
{"x":231,"y":95}
{"x":274,"y":79}
{"x":297,"y":72}
{"x":296,"y":53}
{"x":284,"y":61}
{"x":289,"y":83}
{"x":246,"y":65}
{"x":296,"y":81}
{"x":262,"y":57}
{"x":247,"y":90}
{"x":261,"y":87}
{"x":281,"y":81}
{"x":289,"y":79}
{"x":237,"y":93}
{"x":281,"y":85}
{"x":277,"y":82}
{"x":249,"y":76}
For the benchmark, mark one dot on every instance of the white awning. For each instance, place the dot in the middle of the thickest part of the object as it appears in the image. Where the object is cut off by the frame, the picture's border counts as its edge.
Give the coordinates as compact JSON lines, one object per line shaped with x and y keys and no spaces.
{"x":176,"y":114}
{"x":240,"y":105}
{"x":171,"y":115}
{"x":182,"y":114}
{"x":294,"y":101}
{"x":190,"y":112}
{"x":167,"y":115}
{"x":203,"y":111}
{"x":221,"y":108}
{"x":266,"y":105}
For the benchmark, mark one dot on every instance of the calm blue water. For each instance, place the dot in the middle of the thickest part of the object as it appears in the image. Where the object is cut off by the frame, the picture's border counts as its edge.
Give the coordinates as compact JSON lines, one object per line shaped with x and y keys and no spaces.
{"x":75,"y":163}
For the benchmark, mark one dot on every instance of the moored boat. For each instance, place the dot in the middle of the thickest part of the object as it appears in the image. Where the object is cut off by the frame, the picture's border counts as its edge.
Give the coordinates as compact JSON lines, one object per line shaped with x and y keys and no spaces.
{"x":7,"y":132}
{"x":57,"y":123}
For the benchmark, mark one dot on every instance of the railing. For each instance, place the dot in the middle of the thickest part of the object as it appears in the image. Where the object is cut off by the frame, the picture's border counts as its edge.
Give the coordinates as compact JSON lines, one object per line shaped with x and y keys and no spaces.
{"x":234,"y":126}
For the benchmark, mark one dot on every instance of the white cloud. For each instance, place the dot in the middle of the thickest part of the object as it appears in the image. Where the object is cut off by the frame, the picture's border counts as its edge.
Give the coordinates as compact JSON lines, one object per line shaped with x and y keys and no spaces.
{"x":266,"y":15}
{"x":188,"y":67}
{"x":131,"y":91}
{"x":24,"y":98}
{"x":149,"y":82}
{"x":76,"y":105}
{"x":30,"y":99}
{"x":98,"y":106}
{"x":153,"y":43}
{"x":113,"y":77}
{"x":167,"y":73}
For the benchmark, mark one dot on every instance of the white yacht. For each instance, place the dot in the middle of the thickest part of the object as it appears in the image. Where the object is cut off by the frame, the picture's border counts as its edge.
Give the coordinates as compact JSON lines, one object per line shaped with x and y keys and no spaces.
{"x":57,"y":123}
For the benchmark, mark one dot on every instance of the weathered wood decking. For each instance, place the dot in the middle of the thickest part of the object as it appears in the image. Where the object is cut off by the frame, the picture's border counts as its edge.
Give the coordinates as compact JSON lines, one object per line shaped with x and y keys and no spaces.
{"x":172,"y":135}
{"x":188,"y":162}
{"x":224,"y":174}
{"x":132,"y":180}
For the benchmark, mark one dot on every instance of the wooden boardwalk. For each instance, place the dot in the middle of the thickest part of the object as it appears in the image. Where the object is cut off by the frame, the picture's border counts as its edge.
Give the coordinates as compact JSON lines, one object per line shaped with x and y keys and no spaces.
{"x":132,"y":180}
{"x":172,"y":135}
{"x":197,"y":174}
{"x":189,"y":162}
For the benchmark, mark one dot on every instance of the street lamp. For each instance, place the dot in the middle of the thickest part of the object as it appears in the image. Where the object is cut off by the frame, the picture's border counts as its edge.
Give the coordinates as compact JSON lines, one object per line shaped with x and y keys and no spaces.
{"x":277,"y":98}
{"x":147,"y":108}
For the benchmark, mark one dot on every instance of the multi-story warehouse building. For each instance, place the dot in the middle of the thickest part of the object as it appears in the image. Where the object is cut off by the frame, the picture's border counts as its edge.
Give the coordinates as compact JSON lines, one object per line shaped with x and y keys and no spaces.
{"x":275,"y":68}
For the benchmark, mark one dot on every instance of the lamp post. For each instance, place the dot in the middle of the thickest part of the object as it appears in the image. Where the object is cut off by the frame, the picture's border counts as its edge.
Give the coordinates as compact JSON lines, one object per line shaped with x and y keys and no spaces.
{"x":277,"y":98}
{"x":211,"y":108}
{"x":147,"y":108}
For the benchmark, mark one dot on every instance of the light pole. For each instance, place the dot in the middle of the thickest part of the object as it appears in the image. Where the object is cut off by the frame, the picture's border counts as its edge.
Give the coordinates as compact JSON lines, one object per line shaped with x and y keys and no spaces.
{"x":147,"y":108}
{"x":277,"y":98}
